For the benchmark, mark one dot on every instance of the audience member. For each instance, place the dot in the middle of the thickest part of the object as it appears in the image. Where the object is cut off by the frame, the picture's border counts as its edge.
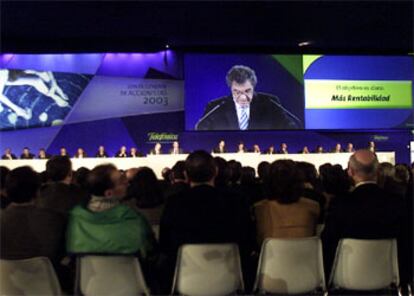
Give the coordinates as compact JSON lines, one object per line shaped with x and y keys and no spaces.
{"x":104,"y":225}
{"x":59,"y":194}
{"x":4,"y":171}
{"x":179,"y":182}
{"x":367,"y":212}
{"x":145,"y":194}
{"x":28,"y":231}
{"x":335,"y":182}
{"x":203,"y":214}
{"x":286,"y":213}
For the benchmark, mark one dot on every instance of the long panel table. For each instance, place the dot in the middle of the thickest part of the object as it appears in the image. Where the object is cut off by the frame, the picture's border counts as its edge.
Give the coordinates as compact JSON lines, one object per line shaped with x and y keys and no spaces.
{"x":158,"y":162}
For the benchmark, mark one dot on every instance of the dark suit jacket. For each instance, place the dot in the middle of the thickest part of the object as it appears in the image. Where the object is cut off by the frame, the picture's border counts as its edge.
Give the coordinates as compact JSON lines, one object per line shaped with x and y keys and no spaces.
{"x":365,"y":213}
{"x":265,"y":113}
{"x":204,"y":214}
{"x":12,"y":156}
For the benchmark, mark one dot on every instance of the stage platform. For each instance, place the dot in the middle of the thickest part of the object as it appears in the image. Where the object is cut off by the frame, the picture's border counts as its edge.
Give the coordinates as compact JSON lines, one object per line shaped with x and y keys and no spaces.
{"x":158,"y":162}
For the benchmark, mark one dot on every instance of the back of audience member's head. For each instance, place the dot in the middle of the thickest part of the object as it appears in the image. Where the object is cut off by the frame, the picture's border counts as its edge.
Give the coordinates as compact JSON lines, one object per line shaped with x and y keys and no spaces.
{"x":178,"y":171}
{"x":232,"y":172}
{"x":144,"y":187}
{"x":22,"y":185}
{"x":59,"y":168}
{"x":248,"y":176}
{"x":166,"y":174}
{"x":100,"y":179}
{"x":263,"y":170}
{"x":81,"y":177}
{"x":386,"y":173}
{"x":363,"y":166}
{"x":335,"y":180}
{"x":307,"y":172}
{"x":284,"y":181}
{"x":402,"y":173}
{"x":221,"y":163}
{"x":200,"y":167}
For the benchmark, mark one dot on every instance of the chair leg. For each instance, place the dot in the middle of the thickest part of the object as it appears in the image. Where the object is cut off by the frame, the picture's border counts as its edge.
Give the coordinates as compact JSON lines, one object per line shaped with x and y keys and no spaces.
{"x":410,"y":292}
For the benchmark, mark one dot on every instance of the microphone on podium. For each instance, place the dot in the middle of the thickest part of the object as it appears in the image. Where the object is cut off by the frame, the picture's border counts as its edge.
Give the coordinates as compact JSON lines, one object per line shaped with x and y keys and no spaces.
{"x":218,"y":106}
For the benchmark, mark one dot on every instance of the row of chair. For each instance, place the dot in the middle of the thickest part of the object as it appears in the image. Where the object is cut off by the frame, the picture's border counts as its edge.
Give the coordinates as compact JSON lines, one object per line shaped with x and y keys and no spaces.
{"x":286,"y":266}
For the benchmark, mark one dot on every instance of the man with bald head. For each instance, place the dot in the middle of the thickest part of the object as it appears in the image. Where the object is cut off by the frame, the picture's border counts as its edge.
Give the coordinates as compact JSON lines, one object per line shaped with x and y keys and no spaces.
{"x":366,"y":212}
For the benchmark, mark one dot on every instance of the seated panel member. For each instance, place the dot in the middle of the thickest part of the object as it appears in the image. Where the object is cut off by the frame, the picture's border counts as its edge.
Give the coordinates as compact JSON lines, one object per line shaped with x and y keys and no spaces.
{"x":63,"y":151}
{"x":101,"y":152}
{"x":122,"y":152}
{"x":241,"y":148}
{"x":8,"y":154}
{"x":283,"y":149}
{"x":42,"y":154}
{"x":80,"y":153}
{"x":175,"y":149}
{"x":220,"y":148}
{"x":245,"y":109}
{"x":26,"y":154}
{"x":133,"y":152}
{"x":156,"y":150}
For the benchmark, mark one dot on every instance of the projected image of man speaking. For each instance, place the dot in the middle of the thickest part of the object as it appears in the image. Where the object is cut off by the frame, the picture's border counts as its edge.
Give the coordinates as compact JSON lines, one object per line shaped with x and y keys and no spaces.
{"x":246,"y":109}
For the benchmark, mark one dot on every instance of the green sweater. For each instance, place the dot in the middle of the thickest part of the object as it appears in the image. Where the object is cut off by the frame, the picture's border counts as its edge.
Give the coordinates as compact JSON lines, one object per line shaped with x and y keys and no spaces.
{"x":119,"y":230}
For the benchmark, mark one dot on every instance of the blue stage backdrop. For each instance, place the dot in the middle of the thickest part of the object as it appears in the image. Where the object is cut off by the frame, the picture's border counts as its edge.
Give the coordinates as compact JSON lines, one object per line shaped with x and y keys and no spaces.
{"x":138,"y":99}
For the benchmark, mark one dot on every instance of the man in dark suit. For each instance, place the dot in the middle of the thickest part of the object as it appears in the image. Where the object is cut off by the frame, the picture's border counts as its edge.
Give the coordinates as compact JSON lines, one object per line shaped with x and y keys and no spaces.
{"x":203,"y":213}
{"x":367,"y":212}
{"x":245,"y":109}
{"x":175,"y":148}
{"x":8,"y":154}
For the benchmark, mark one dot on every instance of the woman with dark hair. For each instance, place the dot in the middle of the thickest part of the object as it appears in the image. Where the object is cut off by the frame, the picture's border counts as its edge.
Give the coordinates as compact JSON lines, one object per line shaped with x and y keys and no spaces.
{"x":286,"y":213}
{"x":145,"y":193}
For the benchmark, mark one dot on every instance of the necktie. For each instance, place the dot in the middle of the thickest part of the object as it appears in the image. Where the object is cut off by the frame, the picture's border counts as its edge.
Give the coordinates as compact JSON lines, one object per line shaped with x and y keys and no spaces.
{"x":244,"y":119}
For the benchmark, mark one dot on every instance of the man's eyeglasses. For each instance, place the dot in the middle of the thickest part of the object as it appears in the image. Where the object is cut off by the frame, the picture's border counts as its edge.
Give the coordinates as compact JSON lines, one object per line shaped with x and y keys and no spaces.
{"x":238,"y":93}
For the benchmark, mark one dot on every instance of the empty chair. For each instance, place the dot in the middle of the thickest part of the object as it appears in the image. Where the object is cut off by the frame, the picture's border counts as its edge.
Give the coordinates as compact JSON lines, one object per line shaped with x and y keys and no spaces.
{"x":290,"y":266}
{"x":208,"y":269}
{"x":34,"y":276}
{"x":109,"y":275}
{"x":365,"y":265}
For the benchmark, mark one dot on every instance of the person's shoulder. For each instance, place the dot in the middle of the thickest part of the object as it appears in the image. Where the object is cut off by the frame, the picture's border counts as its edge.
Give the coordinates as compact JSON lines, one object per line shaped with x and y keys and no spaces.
{"x":266,"y":97}
{"x":218,"y":101}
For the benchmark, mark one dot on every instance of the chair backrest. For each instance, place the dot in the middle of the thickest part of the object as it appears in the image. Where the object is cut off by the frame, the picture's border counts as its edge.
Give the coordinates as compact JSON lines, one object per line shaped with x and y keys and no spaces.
{"x":109,"y":275}
{"x":208,"y":269}
{"x":33,"y":276}
{"x":290,"y":266}
{"x":365,"y":265}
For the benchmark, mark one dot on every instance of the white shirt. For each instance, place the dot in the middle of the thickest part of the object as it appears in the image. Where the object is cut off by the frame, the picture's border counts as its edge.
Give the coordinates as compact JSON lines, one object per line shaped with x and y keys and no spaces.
{"x":239,"y":111}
